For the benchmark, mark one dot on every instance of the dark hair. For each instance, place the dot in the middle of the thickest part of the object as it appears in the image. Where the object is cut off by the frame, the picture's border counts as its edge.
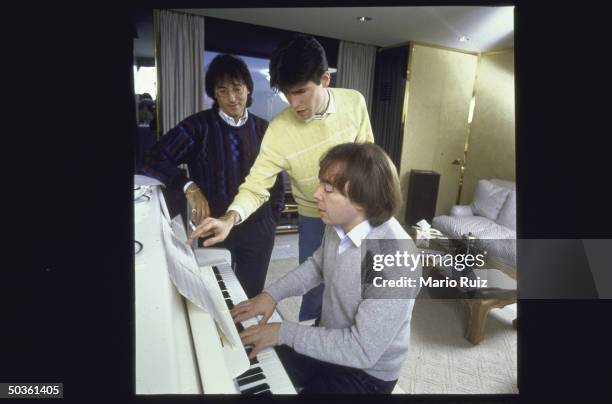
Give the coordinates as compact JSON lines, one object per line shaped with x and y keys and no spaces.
{"x":298,"y":60}
{"x":231,"y":67}
{"x":367,"y":176}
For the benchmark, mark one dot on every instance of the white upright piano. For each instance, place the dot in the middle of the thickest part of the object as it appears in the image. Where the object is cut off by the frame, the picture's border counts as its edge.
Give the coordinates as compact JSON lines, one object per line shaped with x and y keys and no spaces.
{"x":178,"y":347}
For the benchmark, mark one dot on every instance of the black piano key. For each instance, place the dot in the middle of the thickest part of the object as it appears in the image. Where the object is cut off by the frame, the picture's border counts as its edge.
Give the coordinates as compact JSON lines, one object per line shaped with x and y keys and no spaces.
{"x":256,"y":389}
{"x":251,"y":379}
{"x":222,"y":285}
{"x":248,"y":352}
{"x":225,"y":294}
{"x":219,"y":278}
{"x":265,"y":392}
{"x":229,"y":303}
{"x":240,"y":328}
{"x":216,"y":270}
{"x":251,"y":372}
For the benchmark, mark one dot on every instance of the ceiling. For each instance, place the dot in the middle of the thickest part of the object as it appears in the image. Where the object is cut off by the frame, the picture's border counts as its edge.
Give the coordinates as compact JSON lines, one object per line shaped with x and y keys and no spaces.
{"x":487,"y":28}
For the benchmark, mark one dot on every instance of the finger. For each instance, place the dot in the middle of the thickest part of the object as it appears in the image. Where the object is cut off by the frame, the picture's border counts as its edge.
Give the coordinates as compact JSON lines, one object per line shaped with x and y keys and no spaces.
{"x":265,"y":318}
{"x":197,"y":216}
{"x":197,"y":233}
{"x":244,"y":316}
{"x":214,"y":240}
{"x":238,"y":311}
{"x":255,"y":350}
{"x":204,"y":211}
{"x":203,"y":230}
{"x":250,"y":330}
{"x":240,"y":306}
{"x":248,"y":339}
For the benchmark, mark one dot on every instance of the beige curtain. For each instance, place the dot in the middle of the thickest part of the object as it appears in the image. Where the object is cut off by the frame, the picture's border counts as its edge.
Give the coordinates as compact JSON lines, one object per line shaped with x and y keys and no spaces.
{"x":356,"y":68}
{"x":180,"y":61}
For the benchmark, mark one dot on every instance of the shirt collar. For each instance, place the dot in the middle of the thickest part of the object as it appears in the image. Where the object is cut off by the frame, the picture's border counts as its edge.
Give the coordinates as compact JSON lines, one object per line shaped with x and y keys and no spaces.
{"x":357,"y":233}
{"x":230,"y":121}
{"x":331,"y":108}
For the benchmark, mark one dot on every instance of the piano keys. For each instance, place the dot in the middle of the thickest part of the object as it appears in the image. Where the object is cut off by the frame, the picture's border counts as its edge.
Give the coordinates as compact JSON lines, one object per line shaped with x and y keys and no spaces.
{"x":267,"y":362}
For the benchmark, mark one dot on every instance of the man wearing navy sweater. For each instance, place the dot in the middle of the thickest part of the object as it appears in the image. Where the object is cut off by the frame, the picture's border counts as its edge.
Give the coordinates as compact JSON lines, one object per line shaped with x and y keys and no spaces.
{"x":361,"y":341}
{"x":219,"y":145}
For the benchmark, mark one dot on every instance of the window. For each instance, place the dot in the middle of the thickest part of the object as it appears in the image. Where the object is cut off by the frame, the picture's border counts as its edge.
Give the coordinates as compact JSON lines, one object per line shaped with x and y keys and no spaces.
{"x":145,"y":80}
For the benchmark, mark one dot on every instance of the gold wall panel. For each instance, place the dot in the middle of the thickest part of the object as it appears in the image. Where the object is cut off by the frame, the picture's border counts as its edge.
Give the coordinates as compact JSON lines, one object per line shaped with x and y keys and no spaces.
{"x":441,"y":83}
{"x":491,"y":152}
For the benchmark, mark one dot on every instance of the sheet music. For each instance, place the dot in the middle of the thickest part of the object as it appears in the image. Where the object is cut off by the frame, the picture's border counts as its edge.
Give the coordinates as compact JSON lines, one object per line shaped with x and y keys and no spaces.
{"x":197,"y":285}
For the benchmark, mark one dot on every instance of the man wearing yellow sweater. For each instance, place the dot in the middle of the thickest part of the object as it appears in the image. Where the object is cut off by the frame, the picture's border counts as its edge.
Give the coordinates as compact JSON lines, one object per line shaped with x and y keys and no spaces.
{"x":318,"y":118}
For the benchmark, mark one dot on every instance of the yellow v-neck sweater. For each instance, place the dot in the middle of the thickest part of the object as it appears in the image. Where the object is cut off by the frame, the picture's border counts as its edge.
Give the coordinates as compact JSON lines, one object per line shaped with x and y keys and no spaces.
{"x":296,"y":146}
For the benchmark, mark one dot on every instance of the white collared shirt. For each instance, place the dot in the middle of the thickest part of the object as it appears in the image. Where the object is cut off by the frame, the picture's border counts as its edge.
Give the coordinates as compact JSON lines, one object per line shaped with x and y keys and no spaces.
{"x":331,"y":109}
{"x":230,"y":121}
{"x":353,"y":237}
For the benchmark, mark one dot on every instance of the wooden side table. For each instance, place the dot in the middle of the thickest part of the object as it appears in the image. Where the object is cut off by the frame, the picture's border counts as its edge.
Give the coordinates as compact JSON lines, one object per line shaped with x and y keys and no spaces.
{"x":480,"y":305}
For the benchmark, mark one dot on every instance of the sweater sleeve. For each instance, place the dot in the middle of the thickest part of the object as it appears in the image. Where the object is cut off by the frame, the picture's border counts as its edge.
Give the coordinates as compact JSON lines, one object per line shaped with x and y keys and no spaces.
{"x":176,"y":147}
{"x":359,"y":346}
{"x":254,"y":190}
{"x":365,"y":134}
{"x":303,"y":278}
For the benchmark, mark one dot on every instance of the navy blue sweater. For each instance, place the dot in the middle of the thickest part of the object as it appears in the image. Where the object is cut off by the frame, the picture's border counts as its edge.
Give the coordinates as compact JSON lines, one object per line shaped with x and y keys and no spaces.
{"x":219,"y":157}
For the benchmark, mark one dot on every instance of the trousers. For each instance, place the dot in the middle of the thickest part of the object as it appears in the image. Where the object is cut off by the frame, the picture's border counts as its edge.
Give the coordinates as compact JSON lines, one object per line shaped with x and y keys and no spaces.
{"x":318,"y":377}
{"x":310,"y":230}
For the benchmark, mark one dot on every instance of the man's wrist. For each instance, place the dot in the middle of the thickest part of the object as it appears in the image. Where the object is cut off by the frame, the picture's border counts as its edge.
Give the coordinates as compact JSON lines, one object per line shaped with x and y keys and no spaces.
{"x":274,"y":303}
{"x":233,"y":217}
{"x":187,"y":185}
{"x":191,"y":189}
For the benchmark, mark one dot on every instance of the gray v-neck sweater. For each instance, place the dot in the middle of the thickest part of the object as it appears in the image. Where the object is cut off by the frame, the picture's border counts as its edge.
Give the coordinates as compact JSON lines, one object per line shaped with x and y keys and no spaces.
{"x":368,"y":334}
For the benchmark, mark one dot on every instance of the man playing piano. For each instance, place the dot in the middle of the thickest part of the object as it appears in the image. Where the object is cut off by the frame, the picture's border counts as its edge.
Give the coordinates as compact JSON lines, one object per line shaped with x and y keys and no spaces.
{"x":360,"y":343}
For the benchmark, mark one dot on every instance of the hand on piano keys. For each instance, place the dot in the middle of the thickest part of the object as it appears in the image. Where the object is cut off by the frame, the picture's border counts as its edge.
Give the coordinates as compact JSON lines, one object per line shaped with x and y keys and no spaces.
{"x":266,"y":373}
{"x":260,"y":336}
{"x":263,"y":304}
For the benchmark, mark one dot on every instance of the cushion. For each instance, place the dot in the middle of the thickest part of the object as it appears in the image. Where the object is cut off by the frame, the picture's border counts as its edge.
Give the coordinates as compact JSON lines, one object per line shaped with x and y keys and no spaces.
{"x":461,"y":210}
{"x":504,"y":184}
{"x":488,"y":199}
{"x":507,"y":214}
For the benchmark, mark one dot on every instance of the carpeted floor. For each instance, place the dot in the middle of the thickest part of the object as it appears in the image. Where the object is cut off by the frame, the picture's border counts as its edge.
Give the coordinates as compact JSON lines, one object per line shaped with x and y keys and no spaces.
{"x":440,"y":360}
